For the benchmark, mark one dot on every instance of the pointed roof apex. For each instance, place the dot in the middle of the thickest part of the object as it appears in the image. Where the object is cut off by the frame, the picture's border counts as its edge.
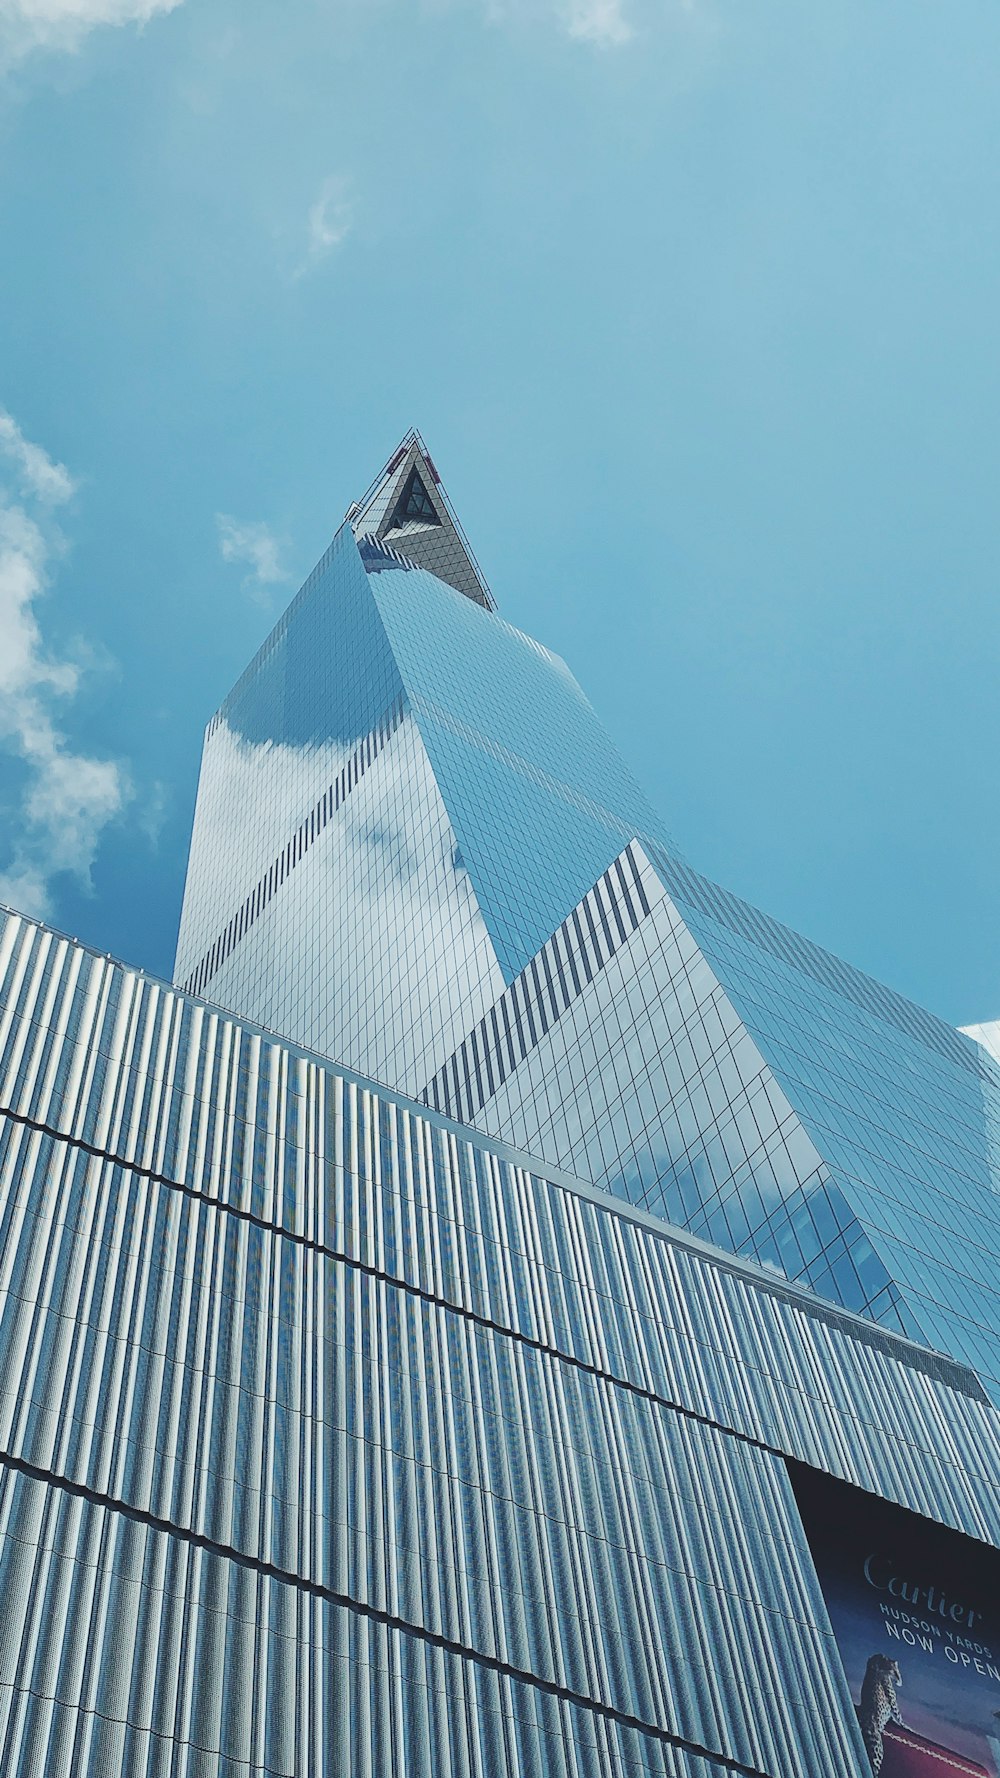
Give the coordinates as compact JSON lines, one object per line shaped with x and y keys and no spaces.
{"x":407,"y":508}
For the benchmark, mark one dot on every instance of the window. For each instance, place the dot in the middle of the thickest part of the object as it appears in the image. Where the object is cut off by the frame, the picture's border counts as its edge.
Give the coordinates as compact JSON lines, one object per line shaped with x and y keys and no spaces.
{"x":414,"y":503}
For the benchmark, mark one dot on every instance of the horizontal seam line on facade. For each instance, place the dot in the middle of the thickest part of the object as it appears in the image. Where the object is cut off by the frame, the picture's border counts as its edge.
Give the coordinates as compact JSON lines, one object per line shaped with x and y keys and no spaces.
{"x":127,"y":1722}
{"x":376,"y":1614}
{"x":381,"y":1277}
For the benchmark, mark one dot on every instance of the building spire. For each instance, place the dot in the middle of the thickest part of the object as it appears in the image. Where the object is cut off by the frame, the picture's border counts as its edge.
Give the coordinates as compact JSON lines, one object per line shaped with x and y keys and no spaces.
{"x":406,"y":507}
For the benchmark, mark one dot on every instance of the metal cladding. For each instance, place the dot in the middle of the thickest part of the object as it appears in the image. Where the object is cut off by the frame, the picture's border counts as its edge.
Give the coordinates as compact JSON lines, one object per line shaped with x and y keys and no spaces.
{"x":407,"y":511}
{"x":337,"y":1438}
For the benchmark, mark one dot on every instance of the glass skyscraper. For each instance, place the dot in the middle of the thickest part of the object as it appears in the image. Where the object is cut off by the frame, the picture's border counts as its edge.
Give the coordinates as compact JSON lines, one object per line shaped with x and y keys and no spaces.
{"x":407,"y":805}
{"x":360,"y":1413}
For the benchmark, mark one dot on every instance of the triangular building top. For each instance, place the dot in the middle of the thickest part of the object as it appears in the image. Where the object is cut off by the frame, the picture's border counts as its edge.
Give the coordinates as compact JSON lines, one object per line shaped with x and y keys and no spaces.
{"x":407,"y":509}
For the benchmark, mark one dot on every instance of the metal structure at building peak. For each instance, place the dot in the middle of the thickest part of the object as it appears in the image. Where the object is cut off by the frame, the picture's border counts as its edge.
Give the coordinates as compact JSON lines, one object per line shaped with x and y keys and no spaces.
{"x":406,"y":507}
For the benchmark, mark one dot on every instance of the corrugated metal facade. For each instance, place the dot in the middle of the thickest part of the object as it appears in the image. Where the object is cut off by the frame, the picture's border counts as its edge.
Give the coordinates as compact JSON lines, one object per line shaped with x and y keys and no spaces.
{"x":333,"y":1439}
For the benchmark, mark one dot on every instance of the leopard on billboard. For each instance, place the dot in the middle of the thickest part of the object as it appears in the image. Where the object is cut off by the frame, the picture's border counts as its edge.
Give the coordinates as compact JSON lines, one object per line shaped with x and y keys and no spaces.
{"x":915,"y":1610}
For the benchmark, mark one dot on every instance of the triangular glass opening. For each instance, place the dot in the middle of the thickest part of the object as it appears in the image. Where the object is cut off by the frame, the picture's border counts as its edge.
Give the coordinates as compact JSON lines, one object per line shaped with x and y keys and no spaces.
{"x":414,"y":503}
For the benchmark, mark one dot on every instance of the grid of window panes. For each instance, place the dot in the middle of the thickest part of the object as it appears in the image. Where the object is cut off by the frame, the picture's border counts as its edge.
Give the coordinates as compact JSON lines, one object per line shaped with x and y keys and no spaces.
{"x":324,"y":678}
{"x":793,"y":1111}
{"x":326,"y":898}
{"x":903,"y":1108}
{"x":377,"y":926}
{"x":650,"y":1085}
{"x":539,"y":799}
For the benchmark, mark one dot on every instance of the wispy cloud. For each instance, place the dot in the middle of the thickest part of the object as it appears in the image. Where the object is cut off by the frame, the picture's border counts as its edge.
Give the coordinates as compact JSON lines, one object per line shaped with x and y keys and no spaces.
{"x":154,"y":812}
{"x":988,"y":1035}
{"x":606,"y":24}
{"x":68,"y":798}
{"x":255,"y":546}
{"x":602,"y":22}
{"x":63,"y":24}
{"x":331,"y":219}
{"x":34,"y":469}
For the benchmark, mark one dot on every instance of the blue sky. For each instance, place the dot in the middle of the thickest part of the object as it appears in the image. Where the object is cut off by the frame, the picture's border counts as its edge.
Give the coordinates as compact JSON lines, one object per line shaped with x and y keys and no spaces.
{"x":697,"y":308}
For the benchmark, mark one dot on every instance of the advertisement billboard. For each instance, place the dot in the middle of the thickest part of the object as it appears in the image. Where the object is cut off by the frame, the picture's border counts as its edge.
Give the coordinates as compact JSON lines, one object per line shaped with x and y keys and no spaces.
{"x":915,"y":1610}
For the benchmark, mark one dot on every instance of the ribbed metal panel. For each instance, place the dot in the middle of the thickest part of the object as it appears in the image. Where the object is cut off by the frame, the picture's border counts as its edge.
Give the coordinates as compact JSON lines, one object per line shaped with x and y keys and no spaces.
{"x":332,"y":1439}
{"x":124,"y":1649}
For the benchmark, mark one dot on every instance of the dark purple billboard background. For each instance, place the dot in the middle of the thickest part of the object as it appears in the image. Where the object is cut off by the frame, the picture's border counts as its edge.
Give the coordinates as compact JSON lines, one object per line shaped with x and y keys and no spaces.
{"x":915,"y":1610}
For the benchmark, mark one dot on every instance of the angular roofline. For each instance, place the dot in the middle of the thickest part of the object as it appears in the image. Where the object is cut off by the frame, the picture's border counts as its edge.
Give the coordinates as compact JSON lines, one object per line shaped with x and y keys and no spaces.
{"x":392,"y":462}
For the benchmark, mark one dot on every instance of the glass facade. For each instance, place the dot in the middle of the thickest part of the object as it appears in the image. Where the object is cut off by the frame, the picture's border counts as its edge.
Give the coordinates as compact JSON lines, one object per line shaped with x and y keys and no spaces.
{"x":336,"y":1437}
{"x":539,"y":801}
{"x":904,"y":1109}
{"x":358,"y":876}
{"x":416,"y":851}
{"x":326,"y":896}
{"x":771,"y":1099}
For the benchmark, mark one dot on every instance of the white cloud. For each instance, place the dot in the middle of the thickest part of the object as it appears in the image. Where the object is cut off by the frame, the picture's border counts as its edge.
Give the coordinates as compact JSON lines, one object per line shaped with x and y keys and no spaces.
{"x":256,"y":546}
{"x":63,"y":24}
{"x":35,"y":470}
{"x":155,"y":809}
{"x":331,"y":219}
{"x":68,"y":798}
{"x":988,"y":1035}
{"x":597,"y":21}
